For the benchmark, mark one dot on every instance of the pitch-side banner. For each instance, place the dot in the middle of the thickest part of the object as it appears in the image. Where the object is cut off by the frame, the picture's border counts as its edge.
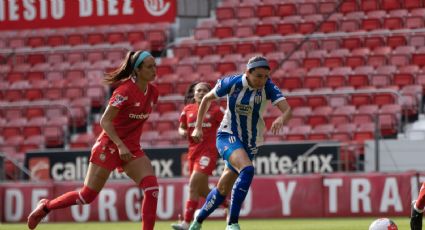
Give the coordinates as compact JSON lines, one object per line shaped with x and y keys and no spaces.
{"x":32,"y":14}
{"x":171,"y":162}
{"x":327,"y":195}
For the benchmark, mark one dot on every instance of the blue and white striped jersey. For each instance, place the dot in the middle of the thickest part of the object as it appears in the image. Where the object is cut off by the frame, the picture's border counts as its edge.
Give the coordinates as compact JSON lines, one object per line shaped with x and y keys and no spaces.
{"x":245,"y":106}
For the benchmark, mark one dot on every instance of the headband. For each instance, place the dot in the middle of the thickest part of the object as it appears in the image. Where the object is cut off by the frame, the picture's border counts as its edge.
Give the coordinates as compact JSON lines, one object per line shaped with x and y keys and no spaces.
{"x":260,"y":63}
{"x":140,"y":58}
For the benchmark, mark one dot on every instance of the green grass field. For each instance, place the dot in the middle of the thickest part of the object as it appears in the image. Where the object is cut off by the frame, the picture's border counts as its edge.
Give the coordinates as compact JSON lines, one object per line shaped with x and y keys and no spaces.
{"x":246,"y":224}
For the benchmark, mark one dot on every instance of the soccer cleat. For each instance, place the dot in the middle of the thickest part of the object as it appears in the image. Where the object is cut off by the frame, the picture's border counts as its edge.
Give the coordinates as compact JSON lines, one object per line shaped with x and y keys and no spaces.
{"x":195,"y":225}
{"x":38,"y":214}
{"x":180,"y":226}
{"x":234,"y":226}
{"x":415,"y":218}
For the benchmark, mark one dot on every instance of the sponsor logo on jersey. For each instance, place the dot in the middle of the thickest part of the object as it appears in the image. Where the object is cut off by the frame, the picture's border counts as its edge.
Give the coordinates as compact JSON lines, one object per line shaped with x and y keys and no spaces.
{"x":118,"y":100}
{"x":141,"y":116}
{"x":243,"y":109}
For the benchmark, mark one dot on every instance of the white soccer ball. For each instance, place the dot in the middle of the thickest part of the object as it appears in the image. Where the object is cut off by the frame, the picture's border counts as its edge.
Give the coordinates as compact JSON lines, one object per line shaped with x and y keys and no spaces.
{"x":383,"y":224}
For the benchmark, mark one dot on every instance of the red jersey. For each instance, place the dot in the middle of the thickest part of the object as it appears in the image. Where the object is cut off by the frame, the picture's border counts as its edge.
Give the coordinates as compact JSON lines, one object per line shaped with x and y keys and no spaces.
{"x":210,"y":125}
{"x":134,"y":109}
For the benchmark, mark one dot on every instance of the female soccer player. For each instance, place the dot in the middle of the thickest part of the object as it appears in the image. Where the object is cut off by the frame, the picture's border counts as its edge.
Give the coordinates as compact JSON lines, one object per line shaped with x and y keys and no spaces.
{"x":202,"y":156}
{"x":240,"y":133}
{"x":417,"y":210}
{"x":118,"y":146}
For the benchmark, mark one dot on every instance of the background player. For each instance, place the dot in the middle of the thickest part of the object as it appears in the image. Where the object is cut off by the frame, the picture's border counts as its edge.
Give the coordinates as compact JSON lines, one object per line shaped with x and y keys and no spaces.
{"x":118,"y":146}
{"x":202,"y":156}
{"x":240,"y":133}
{"x":418,"y":210}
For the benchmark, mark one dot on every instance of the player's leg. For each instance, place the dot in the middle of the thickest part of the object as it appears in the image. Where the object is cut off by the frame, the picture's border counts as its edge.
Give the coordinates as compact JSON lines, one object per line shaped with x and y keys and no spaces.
{"x":95,"y":180}
{"x":218,"y":194}
{"x":140,"y":170}
{"x":417,"y":210}
{"x":198,"y":184}
{"x":241,"y":162}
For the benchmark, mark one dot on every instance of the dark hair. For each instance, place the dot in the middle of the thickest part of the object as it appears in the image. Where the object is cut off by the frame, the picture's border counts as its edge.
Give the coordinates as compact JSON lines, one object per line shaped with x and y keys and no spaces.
{"x":255,"y":59}
{"x":124,"y":70}
{"x":190,"y":92}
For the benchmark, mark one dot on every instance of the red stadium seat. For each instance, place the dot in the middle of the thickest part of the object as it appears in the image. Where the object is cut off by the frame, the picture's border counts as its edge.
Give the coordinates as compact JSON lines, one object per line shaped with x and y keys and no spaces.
{"x":223,"y":31}
{"x":381,"y":99}
{"x":115,"y":37}
{"x":369,"y":5}
{"x":348,"y":6}
{"x":342,"y":114}
{"x":321,"y":132}
{"x":266,"y":10}
{"x":55,"y":40}
{"x":391,"y":5}
{"x":286,"y":9}
{"x":298,"y":133}
{"x":83,"y":140}
{"x":412,"y":4}
{"x":223,"y":13}
{"x":95,"y":38}
{"x":319,"y":116}
{"x":135,"y":36}
{"x":364,"y":132}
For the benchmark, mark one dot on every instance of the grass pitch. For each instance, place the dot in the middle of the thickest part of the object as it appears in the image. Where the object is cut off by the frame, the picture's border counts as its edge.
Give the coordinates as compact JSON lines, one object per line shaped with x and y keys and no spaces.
{"x":246,"y":224}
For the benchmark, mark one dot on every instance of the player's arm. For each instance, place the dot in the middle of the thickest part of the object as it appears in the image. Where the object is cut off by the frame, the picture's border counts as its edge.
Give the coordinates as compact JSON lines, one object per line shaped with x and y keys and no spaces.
{"x":106,"y":124}
{"x":183,"y":129}
{"x":278,"y":124}
{"x":203,"y":108}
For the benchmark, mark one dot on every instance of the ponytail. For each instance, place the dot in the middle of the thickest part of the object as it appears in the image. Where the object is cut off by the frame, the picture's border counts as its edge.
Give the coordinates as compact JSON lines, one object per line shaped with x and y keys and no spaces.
{"x":127,"y":66}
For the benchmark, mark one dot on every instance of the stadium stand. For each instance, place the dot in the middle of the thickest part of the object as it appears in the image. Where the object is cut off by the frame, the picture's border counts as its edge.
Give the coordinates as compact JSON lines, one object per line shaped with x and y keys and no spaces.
{"x":333,"y":79}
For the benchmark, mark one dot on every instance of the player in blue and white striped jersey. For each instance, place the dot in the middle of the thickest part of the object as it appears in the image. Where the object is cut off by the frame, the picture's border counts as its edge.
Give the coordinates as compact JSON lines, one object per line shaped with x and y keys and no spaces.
{"x":240,"y":133}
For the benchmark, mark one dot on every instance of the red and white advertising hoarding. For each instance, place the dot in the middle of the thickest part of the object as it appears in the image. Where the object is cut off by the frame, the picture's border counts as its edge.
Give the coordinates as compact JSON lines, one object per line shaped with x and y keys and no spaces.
{"x":327,"y":195}
{"x":33,"y":14}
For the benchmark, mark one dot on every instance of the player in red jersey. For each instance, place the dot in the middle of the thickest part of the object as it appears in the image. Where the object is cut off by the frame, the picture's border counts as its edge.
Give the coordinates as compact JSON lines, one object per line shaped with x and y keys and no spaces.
{"x":118,"y":146}
{"x":202,"y":156}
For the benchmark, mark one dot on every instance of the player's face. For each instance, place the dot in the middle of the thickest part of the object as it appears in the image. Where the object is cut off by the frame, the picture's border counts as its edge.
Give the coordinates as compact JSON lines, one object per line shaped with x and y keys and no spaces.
{"x":199,"y":92}
{"x":147,"y":70}
{"x":258,"y":78}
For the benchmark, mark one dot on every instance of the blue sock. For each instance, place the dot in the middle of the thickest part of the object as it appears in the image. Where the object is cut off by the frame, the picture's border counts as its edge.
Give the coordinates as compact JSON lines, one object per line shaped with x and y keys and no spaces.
{"x":214,"y":199}
{"x":239,"y":192}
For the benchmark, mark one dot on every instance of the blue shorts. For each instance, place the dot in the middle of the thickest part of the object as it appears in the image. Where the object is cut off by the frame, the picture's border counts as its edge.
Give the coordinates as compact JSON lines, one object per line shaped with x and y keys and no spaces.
{"x":227,"y":143}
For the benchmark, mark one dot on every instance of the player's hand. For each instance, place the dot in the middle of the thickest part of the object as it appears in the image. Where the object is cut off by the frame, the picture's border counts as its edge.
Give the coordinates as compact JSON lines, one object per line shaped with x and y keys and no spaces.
{"x":277,"y":125}
{"x":125,"y":154}
{"x":183,"y":133}
{"x":197,"y":135}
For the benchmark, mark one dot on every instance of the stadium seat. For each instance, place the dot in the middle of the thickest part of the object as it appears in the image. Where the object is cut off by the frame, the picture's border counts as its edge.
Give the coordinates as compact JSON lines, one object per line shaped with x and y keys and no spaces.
{"x":286,"y":9}
{"x":265,"y":10}
{"x":321,"y":132}
{"x":381,"y":99}
{"x":82,"y":141}
{"x":365,"y":131}
{"x":319,"y":116}
{"x":223,"y":13}
{"x":298,"y":133}
{"x":342,"y":114}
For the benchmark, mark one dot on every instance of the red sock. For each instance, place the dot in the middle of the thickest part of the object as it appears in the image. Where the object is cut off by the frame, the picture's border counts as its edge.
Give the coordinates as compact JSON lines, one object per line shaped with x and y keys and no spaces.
{"x":150,"y":200}
{"x":191,"y":206}
{"x":85,"y":196}
{"x":420,"y":202}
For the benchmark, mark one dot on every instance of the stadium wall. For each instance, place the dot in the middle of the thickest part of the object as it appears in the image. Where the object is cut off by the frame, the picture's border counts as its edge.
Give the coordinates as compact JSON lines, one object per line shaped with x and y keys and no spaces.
{"x":314,"y":195}
{"x":393,"y":155}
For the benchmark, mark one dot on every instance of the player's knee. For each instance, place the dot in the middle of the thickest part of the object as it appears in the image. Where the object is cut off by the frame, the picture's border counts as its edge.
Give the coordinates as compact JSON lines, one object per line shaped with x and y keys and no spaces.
{"x":248,"y":170}
{"x":149,"y":184}
{"x":87,"y":195}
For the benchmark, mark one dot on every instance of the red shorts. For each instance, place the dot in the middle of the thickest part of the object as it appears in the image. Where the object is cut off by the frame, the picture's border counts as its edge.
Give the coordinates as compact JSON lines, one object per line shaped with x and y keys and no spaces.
{"x":106,"y":155}
{"x":204,"y":163}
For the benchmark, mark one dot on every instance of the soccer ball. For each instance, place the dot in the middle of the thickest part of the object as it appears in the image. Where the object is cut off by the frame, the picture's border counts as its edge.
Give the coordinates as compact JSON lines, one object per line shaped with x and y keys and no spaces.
{"x":383,"y":224}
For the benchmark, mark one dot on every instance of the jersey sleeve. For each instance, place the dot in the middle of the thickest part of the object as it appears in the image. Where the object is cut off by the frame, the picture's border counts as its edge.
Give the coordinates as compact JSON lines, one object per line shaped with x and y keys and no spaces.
{"x":273,"y":92}
{"x":223,"y":86}
{"x":119,"y":97}
{"x":182,"y":118}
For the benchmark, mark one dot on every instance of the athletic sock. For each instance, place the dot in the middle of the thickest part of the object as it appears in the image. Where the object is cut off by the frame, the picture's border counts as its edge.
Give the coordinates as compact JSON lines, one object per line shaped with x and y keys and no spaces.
{"x":239,"y":192}
{"x":191,"y":206}
{"x":214,"y":199}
